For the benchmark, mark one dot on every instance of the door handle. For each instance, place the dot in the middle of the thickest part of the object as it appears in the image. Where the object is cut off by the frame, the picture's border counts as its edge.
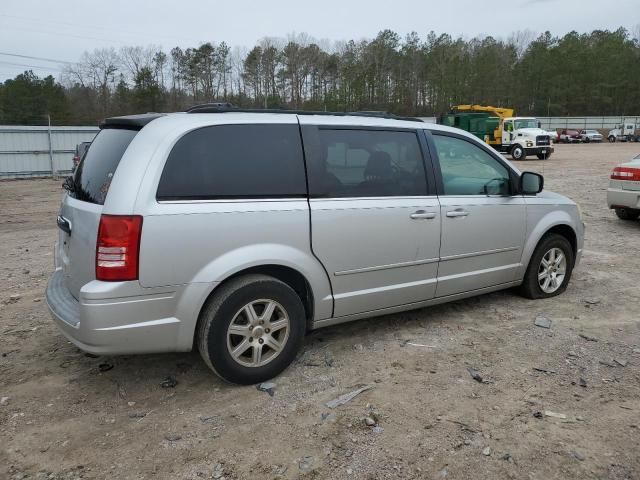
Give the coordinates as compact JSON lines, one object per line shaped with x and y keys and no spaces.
{"x":457,"y":213}
{"x":64,"y":224}
{"x":422,"y":214}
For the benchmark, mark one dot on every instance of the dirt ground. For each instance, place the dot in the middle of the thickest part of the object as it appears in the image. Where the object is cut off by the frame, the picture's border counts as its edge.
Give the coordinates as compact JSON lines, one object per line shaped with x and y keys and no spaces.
{"x":61,"y":417}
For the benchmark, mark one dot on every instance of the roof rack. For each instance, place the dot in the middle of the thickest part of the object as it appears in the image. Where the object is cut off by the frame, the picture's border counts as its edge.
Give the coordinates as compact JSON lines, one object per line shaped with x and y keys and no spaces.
{"x":229,"y":108}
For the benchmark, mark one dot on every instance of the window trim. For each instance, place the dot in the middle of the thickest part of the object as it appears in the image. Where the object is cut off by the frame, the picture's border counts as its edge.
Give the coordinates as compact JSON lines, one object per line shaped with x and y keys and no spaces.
{"x":234,"y":198}
{"x":310,"y":147}
{"x":513,"y":176}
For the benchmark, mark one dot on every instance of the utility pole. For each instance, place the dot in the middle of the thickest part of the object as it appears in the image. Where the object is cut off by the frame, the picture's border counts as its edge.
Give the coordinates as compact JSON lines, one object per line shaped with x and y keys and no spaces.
{"x":53,"y":173}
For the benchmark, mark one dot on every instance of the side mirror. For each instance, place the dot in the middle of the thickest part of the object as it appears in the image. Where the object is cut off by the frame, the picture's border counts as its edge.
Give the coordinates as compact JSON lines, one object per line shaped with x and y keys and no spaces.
{"x":531,"y":183}
{"x":539,"y":124}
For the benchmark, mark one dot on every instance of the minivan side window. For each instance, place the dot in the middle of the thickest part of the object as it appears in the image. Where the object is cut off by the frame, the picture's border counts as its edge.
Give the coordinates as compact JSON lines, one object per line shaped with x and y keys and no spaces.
{"x":364,"y":163}
{"x":468,"y":170}
{"x":235,"y":161}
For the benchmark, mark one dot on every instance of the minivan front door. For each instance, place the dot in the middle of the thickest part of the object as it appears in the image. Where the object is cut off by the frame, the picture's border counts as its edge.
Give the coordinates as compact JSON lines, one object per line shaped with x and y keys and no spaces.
{"x":483,"y":225}
{"x":373,"y":225}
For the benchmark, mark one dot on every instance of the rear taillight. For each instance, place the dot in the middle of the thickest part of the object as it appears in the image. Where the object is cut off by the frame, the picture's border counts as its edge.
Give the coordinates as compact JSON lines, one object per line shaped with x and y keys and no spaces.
{"x":118,"y":247}
{"x":626,"y":173}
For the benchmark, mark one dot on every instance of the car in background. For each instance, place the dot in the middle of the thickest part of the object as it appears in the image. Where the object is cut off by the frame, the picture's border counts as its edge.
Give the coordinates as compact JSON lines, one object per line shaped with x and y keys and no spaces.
{"x":81,"y":149}
{"x":590,"y":136}
{"x":553,"y":135}
{"x":568,"y":135}
{"x":623,"y":194}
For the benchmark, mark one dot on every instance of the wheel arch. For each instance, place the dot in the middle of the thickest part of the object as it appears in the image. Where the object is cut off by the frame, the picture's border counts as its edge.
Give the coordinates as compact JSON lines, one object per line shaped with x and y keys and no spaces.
{"x":560,"y":223}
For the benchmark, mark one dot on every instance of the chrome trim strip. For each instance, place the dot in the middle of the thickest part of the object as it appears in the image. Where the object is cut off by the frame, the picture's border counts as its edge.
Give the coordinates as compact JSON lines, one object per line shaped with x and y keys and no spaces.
{"x":385,"y":267}
{"x":478,"y":254}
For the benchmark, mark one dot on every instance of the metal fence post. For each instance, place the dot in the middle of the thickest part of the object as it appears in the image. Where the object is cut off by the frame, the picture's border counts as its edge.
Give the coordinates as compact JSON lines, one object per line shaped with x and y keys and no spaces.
{"x":53,"y":173}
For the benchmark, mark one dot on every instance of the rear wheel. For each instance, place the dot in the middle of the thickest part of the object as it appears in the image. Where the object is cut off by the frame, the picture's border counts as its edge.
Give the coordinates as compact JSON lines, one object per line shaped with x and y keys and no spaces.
{"x":251,"y":329}
{"x":627,"y":213}
{"x":543,"y":156}
{"x":517,"y":152}
{"x":549,"y":269}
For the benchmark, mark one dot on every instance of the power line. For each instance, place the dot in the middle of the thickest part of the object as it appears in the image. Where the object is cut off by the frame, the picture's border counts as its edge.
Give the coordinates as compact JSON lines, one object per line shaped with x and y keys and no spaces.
{"x":35,"y":58}
{"x":30,"y":66}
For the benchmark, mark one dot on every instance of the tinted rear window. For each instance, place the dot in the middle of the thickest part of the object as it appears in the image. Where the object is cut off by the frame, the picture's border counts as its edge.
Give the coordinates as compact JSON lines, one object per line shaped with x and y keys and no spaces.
{"x":93,"y":176}
{"x":235,"y":161}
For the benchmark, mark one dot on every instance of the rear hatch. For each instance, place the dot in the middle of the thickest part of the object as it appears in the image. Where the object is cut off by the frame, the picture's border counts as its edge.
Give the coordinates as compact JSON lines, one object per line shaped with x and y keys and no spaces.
{"x":82,"y":206}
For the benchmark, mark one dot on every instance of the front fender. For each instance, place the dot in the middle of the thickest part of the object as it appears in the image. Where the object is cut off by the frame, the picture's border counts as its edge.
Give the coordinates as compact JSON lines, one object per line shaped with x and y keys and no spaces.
{"x":261,"y":254}
{"x":540,"y":221}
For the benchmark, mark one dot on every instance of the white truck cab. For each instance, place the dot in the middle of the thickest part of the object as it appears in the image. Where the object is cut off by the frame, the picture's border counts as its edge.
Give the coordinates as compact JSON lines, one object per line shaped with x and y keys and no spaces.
{"x":522,"y":136}
{"x":626,"y":132}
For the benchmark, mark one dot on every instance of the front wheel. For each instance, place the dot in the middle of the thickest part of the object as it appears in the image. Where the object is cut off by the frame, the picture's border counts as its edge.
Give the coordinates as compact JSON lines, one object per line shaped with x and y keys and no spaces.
{"x":587,"y":140}
{"x":549,"y":269}
{"x":517,"y":152}
{"x":627,"y":213}
{"x":251,"y":329}
{"x":612,"y":139}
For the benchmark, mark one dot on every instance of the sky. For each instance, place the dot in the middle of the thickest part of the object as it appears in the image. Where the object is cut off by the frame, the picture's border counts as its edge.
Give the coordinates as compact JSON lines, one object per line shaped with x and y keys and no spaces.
{"x":62,"y":30}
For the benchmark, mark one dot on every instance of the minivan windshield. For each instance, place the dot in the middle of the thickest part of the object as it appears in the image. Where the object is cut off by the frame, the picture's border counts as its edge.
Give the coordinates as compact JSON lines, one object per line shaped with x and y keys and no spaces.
{"x":93,"y":176}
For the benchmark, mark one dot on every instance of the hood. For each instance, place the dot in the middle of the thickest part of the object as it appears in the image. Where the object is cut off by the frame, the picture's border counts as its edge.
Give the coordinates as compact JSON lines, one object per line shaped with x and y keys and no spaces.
{"x":533,"y":132}
{"x":556,"y":197}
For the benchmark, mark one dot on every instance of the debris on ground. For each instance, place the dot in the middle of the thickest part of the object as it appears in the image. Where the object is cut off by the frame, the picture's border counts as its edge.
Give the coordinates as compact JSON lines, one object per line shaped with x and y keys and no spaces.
{"x":268,"y":387}
{"x":137,"y":414}
{"x":169,"y":382}
{"x":369,"y":422}
{"x":592,"y":301}
{"x":305,"y":463}
{"x":172,"y":437}
{"x":538,"y":414}
{"x":487,"y":451}
{"x":105,"y":367}
{"x":377,"y":429}
{"x":577,"y":455}
{"x":607,"y":364}
{"x":347,"y":397}
{"x":328,"y":417}
{"x":582,"y":383}
{"x":543,"y":370}
{"x":549,"y":413}
{"x":621,"y":362}
{"x":542,"y":321}
{"x":475,"y":375}
{"x":4,"y":400}
{"x":587,"y":337}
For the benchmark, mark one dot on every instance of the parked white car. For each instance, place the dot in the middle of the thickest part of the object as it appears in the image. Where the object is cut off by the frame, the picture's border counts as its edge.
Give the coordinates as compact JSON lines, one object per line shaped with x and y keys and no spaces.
{"x":623,"y":194}
{"x":590,"y":136}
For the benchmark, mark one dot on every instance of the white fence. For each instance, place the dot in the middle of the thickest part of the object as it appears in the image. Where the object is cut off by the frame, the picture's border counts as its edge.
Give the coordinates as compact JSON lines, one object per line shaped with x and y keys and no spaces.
{"x":36,"y":151}
{"x":27,"y":151}
{"x":605,"y":123}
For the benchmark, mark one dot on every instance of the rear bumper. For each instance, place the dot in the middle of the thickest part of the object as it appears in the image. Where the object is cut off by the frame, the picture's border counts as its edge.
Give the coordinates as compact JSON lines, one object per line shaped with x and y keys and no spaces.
{"x":99,"y":323}
{"x":623,"y":198}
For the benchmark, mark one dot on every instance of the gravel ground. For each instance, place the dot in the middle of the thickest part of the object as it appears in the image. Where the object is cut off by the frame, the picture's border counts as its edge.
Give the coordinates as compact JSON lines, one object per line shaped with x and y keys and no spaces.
{"x":64,"y":415}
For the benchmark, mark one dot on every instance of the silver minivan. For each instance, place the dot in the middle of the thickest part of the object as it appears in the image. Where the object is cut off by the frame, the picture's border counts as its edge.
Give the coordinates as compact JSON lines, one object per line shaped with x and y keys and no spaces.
{"x":235,"y":232}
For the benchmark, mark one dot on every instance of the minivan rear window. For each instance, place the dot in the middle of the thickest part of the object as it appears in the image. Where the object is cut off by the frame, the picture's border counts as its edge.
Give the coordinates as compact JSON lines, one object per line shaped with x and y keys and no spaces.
{"x":235,"y":161}
{"x":94,"y":174}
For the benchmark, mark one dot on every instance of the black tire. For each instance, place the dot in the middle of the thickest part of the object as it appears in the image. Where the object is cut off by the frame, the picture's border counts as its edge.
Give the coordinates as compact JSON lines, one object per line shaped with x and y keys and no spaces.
{"x":612,"y":139}
{"x":220,"y":310}
{"x":627,"y":213}
{"x":587,"y":140}
{"x":543,"y":156}
{"x":518,"y":153}
{"x":530,"y":287}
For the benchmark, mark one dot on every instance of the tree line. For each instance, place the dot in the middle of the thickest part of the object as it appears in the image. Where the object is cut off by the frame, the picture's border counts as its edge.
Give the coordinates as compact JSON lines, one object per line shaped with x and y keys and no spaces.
{"x":596,"y":73}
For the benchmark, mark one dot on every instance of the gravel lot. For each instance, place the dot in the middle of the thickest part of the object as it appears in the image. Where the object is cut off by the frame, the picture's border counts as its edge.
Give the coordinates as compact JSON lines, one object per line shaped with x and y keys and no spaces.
{"x":62,"y":416}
